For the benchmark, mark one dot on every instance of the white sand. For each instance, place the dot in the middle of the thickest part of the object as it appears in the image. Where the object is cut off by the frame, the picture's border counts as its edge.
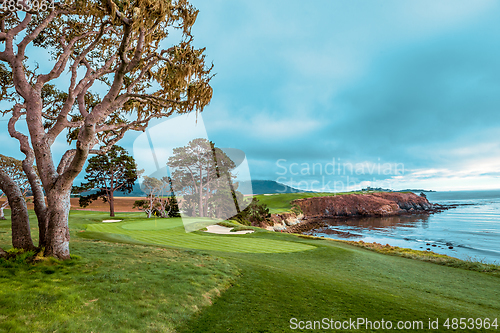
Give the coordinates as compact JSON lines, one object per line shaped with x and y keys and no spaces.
{"x":111,"y":221}
{"x":218,"y":229}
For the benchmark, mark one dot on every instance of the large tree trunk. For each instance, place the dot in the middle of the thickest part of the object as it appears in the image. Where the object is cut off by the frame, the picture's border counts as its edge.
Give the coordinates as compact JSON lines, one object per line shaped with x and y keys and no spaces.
{"x":43,"y":223}
{"x":57,"y":242}
{"x":2,"y":207}
{"x":38,"y":201}
{"x":150,"y":210}
{"x":200,"y":202}
{"x":111,"y":200}
{"x":205,"y":205}
{"x":31,"y":174}
{"x":21,"y":234}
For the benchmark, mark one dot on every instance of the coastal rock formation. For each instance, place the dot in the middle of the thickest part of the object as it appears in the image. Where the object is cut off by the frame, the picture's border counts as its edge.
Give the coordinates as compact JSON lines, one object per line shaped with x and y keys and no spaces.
{"x":281,"y":221}
{"x":373,"y":204}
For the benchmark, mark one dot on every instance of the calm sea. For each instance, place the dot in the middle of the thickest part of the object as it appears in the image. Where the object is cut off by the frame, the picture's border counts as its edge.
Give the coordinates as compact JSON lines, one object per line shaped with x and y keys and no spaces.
{"x":469,"y":231}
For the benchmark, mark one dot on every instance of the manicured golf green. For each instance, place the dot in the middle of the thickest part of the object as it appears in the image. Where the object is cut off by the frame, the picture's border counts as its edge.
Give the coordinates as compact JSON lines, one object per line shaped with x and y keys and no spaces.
{"x":170,"y":232}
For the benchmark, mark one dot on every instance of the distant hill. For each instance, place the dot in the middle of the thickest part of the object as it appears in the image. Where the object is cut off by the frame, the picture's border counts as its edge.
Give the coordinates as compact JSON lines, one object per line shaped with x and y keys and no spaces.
{"x":246,"y":187}
{"x":380,"y":189}
{"x":136,"y":192}
{"x":266,"y":187}
{"x":257,"y":187}
{"x":410,"y":190}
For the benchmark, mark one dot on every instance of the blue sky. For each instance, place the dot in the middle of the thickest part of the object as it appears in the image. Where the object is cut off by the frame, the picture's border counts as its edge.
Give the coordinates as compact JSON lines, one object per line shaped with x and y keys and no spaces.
{"x":403,"y":94}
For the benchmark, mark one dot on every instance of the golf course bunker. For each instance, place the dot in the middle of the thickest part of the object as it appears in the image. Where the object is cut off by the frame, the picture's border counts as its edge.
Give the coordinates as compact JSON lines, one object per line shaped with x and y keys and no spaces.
{"x":221,"y":230}
{"x":111,"y":221}
{"x":170,"y":232}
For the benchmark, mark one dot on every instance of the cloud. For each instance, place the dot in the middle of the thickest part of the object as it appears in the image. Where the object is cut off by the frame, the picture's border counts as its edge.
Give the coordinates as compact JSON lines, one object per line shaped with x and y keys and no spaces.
{"x":425,"y":95}
{"x":263,"y":126}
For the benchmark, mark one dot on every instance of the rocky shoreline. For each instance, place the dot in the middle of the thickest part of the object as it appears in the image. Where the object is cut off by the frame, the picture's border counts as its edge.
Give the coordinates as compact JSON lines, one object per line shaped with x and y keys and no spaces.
{"x":285,"y":220}
{"x":351,"y":205}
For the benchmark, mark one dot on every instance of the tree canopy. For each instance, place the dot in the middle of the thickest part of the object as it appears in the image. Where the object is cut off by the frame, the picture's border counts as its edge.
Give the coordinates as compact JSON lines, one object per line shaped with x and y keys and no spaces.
{"x":202,"y":173}
{"x":107,"y":173}
{"x":13,"y":168}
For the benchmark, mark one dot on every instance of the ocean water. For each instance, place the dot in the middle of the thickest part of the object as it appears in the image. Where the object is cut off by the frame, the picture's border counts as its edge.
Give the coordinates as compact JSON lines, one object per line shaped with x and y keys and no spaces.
{"x":471,"y":231}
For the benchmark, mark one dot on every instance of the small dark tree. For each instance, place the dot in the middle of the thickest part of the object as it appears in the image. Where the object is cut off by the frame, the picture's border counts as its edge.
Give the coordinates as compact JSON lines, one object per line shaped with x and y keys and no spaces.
{"x":107,"y":173}
{"x":174,"y":210}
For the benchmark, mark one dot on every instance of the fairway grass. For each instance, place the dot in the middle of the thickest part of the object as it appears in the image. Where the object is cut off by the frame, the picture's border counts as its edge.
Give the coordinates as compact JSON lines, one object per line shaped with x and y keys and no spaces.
{"x":338,"y":282}
{"x":118,"y":285}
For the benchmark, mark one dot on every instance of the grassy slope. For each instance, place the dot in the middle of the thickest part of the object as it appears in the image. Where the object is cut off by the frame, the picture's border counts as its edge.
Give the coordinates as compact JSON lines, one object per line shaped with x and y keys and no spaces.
{"x":340,"y":282}
{"x":151,"y":289}
{"x":110,"y":288}
{"x":279,"y":203}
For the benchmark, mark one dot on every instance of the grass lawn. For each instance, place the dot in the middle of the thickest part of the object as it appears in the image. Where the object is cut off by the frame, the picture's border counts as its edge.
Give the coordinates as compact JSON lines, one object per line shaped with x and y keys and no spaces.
{"x":119,"y":284}
{"x":109,"y":287}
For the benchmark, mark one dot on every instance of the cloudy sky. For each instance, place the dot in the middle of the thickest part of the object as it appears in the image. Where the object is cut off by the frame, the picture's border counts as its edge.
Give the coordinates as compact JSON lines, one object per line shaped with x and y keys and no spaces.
{"x":376,"y":82}
{"x":399,"y":94}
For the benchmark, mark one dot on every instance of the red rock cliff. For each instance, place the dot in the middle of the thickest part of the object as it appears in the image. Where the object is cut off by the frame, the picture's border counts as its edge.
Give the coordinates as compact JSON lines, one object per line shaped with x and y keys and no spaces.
{"x":373,"y":204}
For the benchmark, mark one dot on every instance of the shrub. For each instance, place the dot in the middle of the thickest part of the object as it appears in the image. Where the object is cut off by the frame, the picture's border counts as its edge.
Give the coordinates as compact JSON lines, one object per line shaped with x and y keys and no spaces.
{"x":161,"y":207}
{"x":255,"y":214}
{"x":296,"y":209}
{"x":18,"y":256}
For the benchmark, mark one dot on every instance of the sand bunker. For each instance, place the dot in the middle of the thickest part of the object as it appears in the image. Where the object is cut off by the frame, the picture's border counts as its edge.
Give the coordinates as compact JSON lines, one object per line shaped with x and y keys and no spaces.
{"x":111,"y":221}
{"x":218,"y":229}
